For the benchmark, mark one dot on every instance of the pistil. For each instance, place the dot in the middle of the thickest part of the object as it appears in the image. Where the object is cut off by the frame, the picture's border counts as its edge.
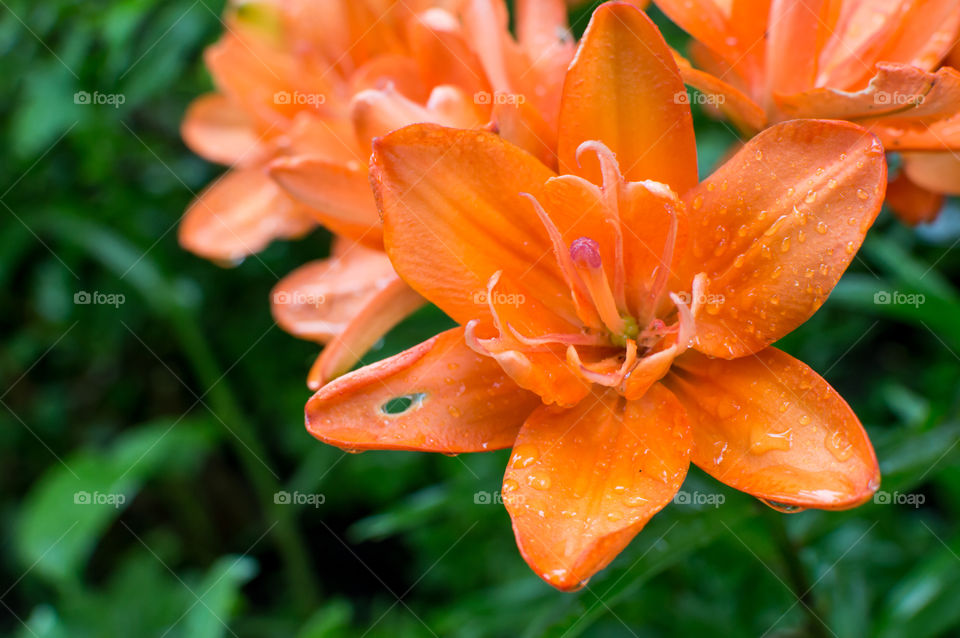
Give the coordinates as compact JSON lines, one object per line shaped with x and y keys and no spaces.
{"x":585,"y":255}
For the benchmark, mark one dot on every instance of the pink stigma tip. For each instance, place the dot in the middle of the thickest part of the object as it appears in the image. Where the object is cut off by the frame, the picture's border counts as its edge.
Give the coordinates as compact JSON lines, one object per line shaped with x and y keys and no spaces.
{"x":585,"y":252}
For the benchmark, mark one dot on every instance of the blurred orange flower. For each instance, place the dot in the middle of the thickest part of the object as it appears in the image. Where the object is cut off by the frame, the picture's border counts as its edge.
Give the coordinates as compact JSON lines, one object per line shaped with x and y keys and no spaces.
{"x":873,"y":63}
{"x":613,"y":331}
{"x":302,"y":89}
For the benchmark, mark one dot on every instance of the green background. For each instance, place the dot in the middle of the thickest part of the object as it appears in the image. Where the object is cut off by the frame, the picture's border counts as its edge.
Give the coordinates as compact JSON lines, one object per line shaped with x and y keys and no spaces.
{"x":187,"y":400}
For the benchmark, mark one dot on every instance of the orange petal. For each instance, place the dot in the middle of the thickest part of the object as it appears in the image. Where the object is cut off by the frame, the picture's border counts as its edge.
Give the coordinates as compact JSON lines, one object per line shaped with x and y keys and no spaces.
{"x":544,"y":35}
{"x":338,"y":195}
{"x":546,"y":374}
{"x":853,"y":36}
{"x":264,"y":78}
{"x":733,"y":30}
{"x":522,"y":124}
{"x":927,"y":34}
{"x":795,"y":38}
{"x":899,"y":134}
{"x":218,"y":130}
{"x":540,"y":24}
{"x":897,"y":90}
{"x":240,"y":214}
{"x":399,"y":71}
{"x":937,"y":172}
{"x":624,"y":90}
{"x":378,"y":112}
{"x":912,"y":203}
{"x":441,"y":51}
{"x":776,"y":226}
{"x":330,"y":138}
{"x":583,"y":481}
{"x":736,"y":106}
{"x":456,"y":401}
{"x":320,"y":299}
{"x":453,"y":216}
{"x":383,"y":310}
{"x":770,"y":426}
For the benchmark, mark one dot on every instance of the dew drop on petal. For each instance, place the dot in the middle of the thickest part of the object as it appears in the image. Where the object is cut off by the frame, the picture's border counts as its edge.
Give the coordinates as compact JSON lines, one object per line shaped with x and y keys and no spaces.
{"x":538,"y":482}
{"x":524,"y":455}
{"x":839,"y":445}
{"x":783,"y":508}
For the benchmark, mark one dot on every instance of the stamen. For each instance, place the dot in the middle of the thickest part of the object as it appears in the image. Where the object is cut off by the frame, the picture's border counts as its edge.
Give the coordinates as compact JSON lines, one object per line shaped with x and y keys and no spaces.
{"x":585,"y":256}
{"x":663,"y":270}
{"x":611,"y":190}
{"x":686,"y":314}
{"x":593,"y":372}
{"x":562,"y":339}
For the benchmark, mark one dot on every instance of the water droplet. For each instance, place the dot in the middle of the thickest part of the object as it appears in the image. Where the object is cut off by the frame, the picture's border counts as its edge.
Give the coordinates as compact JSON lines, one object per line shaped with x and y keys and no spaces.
{"x":538,"y":482}
{"x":783,"y":508}
{"x":454,"y":411}
{"x":525,"y":455}
{"x":738,"y":262}
{"x":811,"y":197}
{"x":851,"y":247}
{"x":862,"y":194}
{"x":727,"y":409}
{"x":634,"y":501}
{"x":822,"y":228}
{"x":762,"y":442}
{"x":805,"y":420}
{"x":759,"y":155}
{"x":614,"y":516}
{"x":510,"y":485}
{"x":839,"y":445}
{"x":698,"y":202}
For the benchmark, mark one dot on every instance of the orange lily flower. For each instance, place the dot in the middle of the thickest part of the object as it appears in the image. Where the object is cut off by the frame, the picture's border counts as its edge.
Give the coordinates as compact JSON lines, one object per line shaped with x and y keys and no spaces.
{"x":617,"y":318}
{"x":767,"y":61}
{"x":303,"y":88}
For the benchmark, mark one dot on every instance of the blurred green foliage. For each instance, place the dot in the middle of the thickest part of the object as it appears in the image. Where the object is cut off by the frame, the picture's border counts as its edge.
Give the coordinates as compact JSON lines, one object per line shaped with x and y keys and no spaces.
{"x":178,"y":414}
